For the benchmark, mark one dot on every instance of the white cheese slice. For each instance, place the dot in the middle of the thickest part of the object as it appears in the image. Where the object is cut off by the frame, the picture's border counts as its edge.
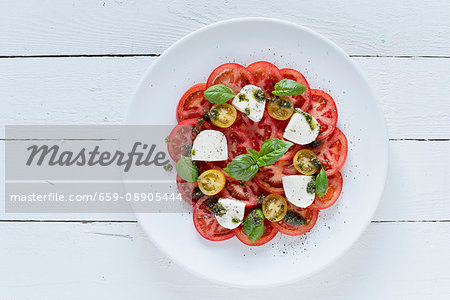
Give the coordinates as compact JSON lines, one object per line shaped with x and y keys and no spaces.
{"x":234,"y":213}
{"x":296,"y":190}
{"x":210,"y":145}
{"x":302,"y":128}
{"x":249,"y":104}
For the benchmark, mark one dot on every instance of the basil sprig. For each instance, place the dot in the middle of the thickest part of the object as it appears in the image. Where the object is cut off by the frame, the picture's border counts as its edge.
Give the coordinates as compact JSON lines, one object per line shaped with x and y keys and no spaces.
{"x":244,"y":167}
{"x":288,"y":87}
{"x":253,"y":225}
{"x":187,"y":169}
{"x":321,"y":183}
{"x":218,"y":94}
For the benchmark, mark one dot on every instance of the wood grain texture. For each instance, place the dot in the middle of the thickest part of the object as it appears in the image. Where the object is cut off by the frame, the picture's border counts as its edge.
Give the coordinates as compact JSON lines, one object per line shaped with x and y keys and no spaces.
{"x":384,"y":27}
{"x":413,"y":94}
{"x":417,"y":183}
{"x":68,"y":90}
{"x":116,"y":261}
{"x":98,"y":91}
{"x":402,"y":255}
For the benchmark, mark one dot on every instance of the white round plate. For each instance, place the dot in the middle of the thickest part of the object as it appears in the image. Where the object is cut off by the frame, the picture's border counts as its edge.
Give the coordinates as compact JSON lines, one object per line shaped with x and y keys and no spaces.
{"x":287,"y":45}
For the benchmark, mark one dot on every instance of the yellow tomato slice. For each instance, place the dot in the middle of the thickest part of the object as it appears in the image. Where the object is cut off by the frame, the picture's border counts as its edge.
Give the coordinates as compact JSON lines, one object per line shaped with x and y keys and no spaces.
{"x":223,"y":115}
{"x":274,"y":207}
{"x":211,"y":182}
{"x":306,"y":162}
{"x":280,"y":109}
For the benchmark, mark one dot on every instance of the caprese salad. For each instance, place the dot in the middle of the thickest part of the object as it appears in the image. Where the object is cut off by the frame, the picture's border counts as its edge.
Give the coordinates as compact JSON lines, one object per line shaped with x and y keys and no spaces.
{"x":257,"y":152}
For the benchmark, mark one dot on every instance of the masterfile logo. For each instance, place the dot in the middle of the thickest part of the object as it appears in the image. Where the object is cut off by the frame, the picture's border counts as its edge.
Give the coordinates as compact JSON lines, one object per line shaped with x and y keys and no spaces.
{"x":90,"y":169}
{"x":140,"y":154}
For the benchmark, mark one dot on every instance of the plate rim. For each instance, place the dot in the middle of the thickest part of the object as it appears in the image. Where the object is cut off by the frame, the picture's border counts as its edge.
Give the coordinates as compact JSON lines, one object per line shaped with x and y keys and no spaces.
{"x":379,"y":113}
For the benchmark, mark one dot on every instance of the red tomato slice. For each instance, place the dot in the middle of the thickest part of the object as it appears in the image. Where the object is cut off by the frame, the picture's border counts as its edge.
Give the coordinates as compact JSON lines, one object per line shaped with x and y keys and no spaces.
{"x":258,"y":131}
{"x":289,"y":155}
{"x":192,"y":104}
{"x":269,"y":178}
{"x":207,"y":225}
{"x":325,"y":111}
{"x":182,"y":136}
{"x":302,"y":101}
{"x":232,"y":75}
{"x":269,"y":233}
{"x":187,"y":190}
{"x":265,"y":76}
{"x":333,"y":192}
{"x":309,"y":214}
{"x":247,"y":191}
{"x":216,"y":165}
{"x":332,"y":152}
{"x":238,"y":141}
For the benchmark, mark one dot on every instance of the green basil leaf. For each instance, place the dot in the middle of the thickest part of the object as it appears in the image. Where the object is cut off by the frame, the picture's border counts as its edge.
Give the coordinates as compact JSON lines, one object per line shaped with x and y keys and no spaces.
{"x":247,"y":227}
{"x":272,"y":145}
{"x":321,"y":183}
{"x":288,"y":87}
{"x":218,"y":93}
{"x":271,"y":151}
{"x":245,"y":166}
{"x":257,"y":233}
{"x":242,"y":167}
{"x":254,"y":153}
{"x":187,"y":169}
{"x":253,"y":225}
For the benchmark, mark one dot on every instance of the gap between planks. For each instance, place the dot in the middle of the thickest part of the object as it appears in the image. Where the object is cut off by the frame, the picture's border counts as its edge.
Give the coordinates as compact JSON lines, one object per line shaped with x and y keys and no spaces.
{"x":157,"y":55}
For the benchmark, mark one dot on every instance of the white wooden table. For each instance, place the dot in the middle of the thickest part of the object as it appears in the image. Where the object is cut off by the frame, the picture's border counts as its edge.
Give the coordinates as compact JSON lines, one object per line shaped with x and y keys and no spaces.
{"x":78,"y":62}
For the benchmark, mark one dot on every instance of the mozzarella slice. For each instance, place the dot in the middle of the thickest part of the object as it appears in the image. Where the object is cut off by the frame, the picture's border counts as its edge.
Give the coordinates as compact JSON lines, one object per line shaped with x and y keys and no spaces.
{"x":251,"y":102}
{"x":302,"y":128}
{"x":234,"y":213}
{"x":210,"y":145}
{"x":296,"y":189}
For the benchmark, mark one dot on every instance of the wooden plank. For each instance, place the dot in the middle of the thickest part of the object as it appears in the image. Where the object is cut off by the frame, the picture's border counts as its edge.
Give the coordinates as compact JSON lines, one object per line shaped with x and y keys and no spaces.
{"x":416,"y":168}
{"x":384,"y":27}
{"x":98,"y":91}
{"x":117,"y":261}
{"x":413,"y":96}
{"x":417,"y":183}
{"x":68,"y":91}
